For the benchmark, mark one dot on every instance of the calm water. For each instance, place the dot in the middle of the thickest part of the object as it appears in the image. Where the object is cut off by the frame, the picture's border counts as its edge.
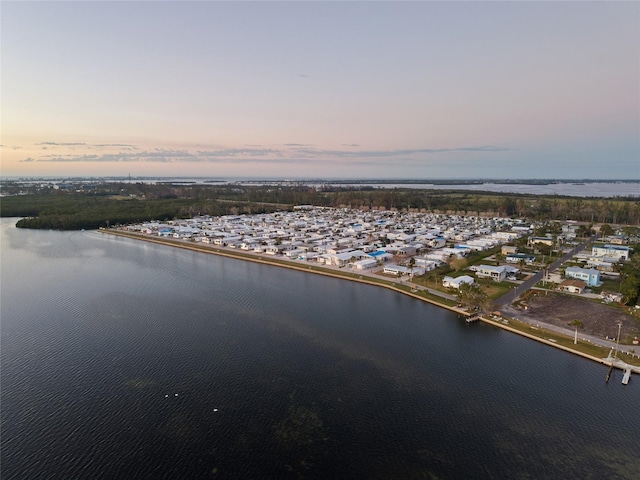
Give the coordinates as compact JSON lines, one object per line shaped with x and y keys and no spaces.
{"x":621,"y":189}
{"x":122,"y":359}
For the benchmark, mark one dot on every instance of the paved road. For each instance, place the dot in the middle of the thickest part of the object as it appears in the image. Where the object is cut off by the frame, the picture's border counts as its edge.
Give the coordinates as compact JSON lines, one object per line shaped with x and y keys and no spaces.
{"x":507,"y":298}
{"x":512,"y":312}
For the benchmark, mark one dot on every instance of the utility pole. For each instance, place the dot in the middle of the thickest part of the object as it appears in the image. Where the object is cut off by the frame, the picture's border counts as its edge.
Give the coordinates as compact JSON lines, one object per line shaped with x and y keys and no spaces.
{"x":617,"y":341}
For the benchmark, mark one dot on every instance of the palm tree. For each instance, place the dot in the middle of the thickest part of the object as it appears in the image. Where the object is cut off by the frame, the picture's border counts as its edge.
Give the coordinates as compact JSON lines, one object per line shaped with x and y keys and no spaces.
{"x":412,"y":263}
{"x":473,"y":296}
{"x":577,"y":324}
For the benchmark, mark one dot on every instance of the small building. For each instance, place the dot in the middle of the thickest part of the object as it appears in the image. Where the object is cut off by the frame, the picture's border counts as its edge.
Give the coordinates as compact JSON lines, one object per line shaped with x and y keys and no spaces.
{"x":437,"y":242}
{"x":497,"y":274}
{"x":588,"y":275}
{"x":619,"y":252}
{"x":509,"y":249}
{"x":381,"y":256}
{"x":571,"y":285}
{"x":617,"y":239}
{"x":450,"y":282}
{"x":600,"y":265}
{"x":365,"y":264}
{"x":540,"y":241}
{"x":346,"y":256}
{"x":399,"y":270}
{"x":520,"y":257}
{"x":426,"y":263}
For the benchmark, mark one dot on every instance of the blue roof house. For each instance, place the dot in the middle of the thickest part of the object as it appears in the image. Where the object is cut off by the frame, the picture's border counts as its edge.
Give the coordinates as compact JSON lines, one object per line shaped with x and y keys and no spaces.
{"x":590,"y":276}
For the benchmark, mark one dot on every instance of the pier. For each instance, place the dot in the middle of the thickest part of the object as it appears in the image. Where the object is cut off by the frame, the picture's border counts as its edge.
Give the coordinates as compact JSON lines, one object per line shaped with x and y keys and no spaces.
{"x":625,"y":367}
{"x":472,"y":318}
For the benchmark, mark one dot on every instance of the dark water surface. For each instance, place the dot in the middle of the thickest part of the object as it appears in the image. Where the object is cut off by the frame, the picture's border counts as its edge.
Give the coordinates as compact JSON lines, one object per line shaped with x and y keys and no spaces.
{"x":123,"y":359}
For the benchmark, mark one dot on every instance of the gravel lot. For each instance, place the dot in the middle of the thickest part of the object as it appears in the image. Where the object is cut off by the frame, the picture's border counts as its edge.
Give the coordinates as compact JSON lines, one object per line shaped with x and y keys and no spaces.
{"x":600,"y":320}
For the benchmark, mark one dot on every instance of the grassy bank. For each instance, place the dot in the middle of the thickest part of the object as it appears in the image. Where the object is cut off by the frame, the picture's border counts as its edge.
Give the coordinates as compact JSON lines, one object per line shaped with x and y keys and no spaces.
{"x":554,"y":339}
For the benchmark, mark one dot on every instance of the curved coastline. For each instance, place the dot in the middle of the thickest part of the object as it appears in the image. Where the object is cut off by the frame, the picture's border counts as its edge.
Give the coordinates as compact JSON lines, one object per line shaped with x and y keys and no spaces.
{"x":361,"y":278}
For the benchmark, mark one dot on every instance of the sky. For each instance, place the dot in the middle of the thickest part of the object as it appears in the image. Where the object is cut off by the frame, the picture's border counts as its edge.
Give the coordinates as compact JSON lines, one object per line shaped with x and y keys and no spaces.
{"x":321,"y":89}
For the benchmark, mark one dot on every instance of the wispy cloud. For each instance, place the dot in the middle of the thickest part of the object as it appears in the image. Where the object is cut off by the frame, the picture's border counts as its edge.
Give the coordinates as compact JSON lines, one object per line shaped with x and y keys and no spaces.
{"x":62,"y":144}
{"x":240,"y":152}
{"x":398,"y":152}
{"x":83,"y":144}
{"x":113,"y":145}
{"x":290,"y":153}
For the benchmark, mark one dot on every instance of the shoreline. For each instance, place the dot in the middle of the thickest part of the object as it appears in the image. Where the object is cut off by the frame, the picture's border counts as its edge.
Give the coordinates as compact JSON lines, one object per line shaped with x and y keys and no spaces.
{"x":319,"y":270}
{"x":603,"y":361}
{"x":360,"y":278}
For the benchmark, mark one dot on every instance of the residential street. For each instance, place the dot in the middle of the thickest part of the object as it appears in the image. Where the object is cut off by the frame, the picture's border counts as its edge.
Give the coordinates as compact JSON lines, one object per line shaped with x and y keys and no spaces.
{"x":530,"y":282}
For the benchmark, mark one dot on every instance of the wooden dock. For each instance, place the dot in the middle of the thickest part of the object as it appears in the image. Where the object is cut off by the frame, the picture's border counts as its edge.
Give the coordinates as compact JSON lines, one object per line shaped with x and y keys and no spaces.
{"x":627,"y":376}
{"x":472,"y":318}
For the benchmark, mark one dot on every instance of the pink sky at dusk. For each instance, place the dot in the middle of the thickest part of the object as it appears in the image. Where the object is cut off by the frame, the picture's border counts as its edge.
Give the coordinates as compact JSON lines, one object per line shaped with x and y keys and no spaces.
{"x":315,"y":89}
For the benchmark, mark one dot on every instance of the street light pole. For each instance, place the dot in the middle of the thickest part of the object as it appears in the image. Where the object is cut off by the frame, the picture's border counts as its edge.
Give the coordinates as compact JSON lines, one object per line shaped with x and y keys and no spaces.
{"x":617,"y":341}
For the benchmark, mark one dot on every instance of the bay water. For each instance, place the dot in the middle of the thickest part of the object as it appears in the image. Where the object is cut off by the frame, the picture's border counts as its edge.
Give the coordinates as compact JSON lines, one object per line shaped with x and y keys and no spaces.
{"x":125,"y":359}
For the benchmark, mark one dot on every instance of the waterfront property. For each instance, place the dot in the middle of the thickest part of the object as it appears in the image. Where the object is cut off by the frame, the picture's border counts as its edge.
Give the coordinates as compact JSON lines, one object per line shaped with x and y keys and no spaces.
{"x":497,"y":274}
{"x":399,"y":270}
{"x":340,"y":237}
{"x":456,"y":283}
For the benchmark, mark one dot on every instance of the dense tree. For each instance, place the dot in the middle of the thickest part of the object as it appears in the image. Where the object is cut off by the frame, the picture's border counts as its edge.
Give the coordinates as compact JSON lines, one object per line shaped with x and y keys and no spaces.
{"x":606,"y":230}
{"x":472,"y":295}
{"x":90,"y":206}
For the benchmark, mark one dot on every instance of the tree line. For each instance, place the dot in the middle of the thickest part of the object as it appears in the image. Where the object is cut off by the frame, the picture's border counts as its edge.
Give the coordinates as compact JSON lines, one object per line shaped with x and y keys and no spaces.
{"x":94,"y":206}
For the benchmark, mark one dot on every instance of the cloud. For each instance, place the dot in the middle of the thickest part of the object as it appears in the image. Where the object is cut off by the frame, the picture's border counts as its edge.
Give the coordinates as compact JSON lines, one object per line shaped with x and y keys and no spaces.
{"x":83,"y":144}
{"x":350,"y":145}
{"x":157,"y":155}
{"x":398,"y":152}
{"x":298,"y":144}
{"x":294,"y":154}
{"x":112,"y":145}
{"x":62,"y":144}
{"x":238,"y":152}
